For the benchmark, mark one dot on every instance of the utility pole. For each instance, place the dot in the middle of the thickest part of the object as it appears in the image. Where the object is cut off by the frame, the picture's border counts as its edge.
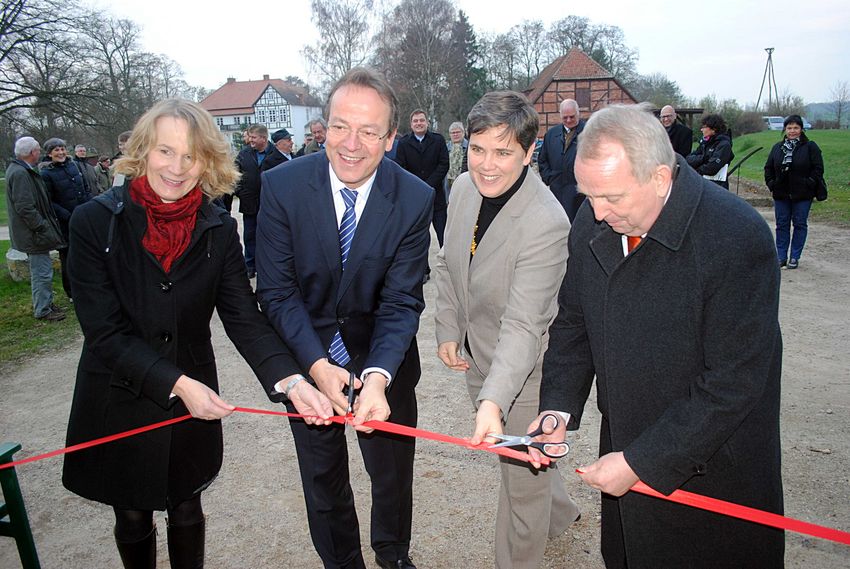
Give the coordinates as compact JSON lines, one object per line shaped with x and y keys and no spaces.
{"x":772,"y":91}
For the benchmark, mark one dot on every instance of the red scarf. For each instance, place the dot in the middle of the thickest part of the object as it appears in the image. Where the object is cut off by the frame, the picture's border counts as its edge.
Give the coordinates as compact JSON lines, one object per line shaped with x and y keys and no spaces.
{"x":170,"y":224}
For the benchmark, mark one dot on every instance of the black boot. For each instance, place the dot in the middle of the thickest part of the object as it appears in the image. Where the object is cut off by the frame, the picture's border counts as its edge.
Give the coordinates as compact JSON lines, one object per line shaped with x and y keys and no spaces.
{"x":138,"y":554}
{"x":186,"y":546}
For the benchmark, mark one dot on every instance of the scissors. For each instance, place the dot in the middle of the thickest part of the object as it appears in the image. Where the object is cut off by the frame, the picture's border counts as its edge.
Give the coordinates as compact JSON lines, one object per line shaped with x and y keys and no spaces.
{"x":552,"y":450}
{"x":351,"y":393}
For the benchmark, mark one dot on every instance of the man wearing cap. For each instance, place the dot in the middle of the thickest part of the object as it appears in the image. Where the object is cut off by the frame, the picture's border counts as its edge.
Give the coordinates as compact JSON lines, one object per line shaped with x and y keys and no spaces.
{"x":282,"y":151}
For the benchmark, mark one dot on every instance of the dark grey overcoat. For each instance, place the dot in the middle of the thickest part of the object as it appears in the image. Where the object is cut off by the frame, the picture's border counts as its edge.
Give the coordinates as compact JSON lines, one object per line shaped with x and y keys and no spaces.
{"x":144,"y":328}
{"x":683,"y":337}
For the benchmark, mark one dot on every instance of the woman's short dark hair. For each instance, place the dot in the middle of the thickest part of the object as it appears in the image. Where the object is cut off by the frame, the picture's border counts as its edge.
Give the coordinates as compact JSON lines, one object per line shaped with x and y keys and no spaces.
{"x":793,"y":119}
{"x":508,"y":108}
{"x":714,"y":122}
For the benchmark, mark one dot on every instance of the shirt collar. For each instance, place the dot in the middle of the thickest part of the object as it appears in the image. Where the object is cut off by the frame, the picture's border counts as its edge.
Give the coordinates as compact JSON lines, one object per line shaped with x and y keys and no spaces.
{"x":362,"y":192}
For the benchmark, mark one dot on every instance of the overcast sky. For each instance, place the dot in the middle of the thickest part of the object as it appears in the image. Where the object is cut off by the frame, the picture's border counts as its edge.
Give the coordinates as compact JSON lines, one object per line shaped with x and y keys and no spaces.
{"x":708,"y":47}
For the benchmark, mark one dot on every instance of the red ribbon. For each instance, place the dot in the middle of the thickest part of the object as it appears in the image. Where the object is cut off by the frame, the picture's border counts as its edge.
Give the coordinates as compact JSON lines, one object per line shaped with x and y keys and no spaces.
{"x":678,"y":496}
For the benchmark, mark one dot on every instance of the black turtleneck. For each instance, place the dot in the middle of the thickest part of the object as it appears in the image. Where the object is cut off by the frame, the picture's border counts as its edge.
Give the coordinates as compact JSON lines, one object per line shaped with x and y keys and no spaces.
{"x":490,"y":207}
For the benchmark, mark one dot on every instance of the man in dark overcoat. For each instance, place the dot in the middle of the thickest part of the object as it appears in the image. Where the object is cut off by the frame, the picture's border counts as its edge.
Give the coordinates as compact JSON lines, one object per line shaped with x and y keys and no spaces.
{"x":681,"y":137}
{"x":424,"y":154}
{"x":556,"y":160}
{"x":671,"y":301}
{"x":249,"y":161}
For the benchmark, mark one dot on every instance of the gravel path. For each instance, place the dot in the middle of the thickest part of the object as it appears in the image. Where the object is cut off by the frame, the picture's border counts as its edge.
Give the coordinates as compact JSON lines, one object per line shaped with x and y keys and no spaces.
{"x":256,"y":511}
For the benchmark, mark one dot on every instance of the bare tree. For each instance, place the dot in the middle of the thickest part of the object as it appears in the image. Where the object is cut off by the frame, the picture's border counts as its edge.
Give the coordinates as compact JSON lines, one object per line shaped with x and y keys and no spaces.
{"x":529,"y":37}
{"x":343,"y":41}
{"x":840,"y":93}
{"x":416,"y":55}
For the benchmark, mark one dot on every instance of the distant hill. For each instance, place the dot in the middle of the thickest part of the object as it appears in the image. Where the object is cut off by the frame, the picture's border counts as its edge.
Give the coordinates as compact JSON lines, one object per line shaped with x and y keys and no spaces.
{"x":826,"y":112}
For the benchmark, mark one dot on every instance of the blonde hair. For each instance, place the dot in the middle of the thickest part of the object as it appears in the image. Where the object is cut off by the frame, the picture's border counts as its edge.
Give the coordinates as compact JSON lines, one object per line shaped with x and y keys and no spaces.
{"x":207,"y":145}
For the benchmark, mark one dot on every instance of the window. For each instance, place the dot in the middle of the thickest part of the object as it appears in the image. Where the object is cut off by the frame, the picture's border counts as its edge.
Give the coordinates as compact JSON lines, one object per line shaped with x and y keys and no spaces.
{"x":583,"y":97}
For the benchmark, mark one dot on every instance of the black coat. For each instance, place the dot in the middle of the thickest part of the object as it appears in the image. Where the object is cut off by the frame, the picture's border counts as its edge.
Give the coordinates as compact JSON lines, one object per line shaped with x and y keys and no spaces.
{"x":683,"y":338}
{"x":248,"y":188}
{"x":800,"y":181}
{"x":144,"y":328}
{"x":681,"y":137}
{"x":273,"y":159}
{"x":711,"y":156}
{"x":557,"y":167}
{"x":428,"y":160}
{"x":33,"y":227}
{"x":66,"y":188}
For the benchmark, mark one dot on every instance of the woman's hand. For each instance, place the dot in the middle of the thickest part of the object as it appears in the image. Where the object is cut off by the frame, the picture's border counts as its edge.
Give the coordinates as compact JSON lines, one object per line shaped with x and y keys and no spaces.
{"x":201,"y":401}
{"x":488,"y":420}
{"x":449,"y":354}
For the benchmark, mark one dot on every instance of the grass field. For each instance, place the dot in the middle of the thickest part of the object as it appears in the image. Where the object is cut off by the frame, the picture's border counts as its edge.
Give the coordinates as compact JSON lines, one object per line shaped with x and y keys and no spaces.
{"x":21,"y":335}
{"x":835,"y":145}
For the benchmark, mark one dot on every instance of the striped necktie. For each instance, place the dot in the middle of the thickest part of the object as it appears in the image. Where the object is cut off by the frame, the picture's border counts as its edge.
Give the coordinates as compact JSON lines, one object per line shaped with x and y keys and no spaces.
{"x":337,"y":351}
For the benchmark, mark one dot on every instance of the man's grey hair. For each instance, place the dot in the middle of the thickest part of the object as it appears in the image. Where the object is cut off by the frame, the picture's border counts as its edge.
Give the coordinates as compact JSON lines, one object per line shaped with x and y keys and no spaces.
{"x":568,"y":103}
{"x":77,"y":147}
{"x":318,"y":120}
{"x":457,"y":125}
{"x":25,"y":145}
{"x":636,"y":129}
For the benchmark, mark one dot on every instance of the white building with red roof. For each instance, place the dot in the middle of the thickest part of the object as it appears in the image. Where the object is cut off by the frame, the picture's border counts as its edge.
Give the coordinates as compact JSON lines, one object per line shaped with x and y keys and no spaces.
{"x":270,"y":102}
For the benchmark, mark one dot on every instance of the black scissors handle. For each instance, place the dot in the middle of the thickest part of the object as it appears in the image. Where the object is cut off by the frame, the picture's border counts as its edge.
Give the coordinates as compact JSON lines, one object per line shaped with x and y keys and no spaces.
{"x":351,"y":392}
{"x":553,"y":420}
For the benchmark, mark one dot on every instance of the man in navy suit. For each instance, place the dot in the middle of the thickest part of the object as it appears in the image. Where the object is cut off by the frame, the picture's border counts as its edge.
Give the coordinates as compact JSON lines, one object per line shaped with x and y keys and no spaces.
{"x":351,"y":305}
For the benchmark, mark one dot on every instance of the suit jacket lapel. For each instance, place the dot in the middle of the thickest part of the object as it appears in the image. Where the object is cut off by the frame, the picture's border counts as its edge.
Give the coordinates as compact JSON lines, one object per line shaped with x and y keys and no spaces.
{"x":324,"y":218}
{"x":468,"y":219}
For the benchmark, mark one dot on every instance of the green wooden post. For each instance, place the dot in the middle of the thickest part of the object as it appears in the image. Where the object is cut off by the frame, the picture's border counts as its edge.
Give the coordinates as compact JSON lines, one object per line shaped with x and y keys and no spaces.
{"x":17,"y":525}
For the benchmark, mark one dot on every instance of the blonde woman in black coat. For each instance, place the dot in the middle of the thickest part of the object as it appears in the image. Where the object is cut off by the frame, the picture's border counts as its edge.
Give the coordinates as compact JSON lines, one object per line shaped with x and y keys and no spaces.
{"x":149,"y":262}
{"x":794,"y":174}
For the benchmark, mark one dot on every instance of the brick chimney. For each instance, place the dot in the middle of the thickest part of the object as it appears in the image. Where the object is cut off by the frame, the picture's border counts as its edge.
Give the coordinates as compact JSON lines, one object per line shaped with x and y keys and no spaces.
{"x":265,"y":77}
{"x":231,"y":79}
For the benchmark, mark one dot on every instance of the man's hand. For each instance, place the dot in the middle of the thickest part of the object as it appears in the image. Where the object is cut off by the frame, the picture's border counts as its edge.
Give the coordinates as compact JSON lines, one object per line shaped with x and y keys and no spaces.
{"x":330,"y":380}
{"x":488,"y":420}
{"x":449,"y":354}
{"x":610,"y":474}
{"x":557,"y":435}
{"x":372,"y":403}
{"x":201,"y":401}
{"x":311,"y":403}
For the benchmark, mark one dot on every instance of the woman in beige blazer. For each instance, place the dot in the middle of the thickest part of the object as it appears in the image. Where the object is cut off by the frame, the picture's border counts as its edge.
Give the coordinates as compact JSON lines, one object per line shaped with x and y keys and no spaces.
{"x":497,"y":275}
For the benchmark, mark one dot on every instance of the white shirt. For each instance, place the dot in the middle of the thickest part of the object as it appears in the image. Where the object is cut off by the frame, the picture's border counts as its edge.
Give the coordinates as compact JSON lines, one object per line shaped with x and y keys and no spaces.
{"x":359,"y":205}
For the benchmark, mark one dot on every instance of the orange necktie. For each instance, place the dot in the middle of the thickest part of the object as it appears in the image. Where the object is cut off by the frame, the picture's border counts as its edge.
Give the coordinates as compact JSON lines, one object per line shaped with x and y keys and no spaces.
{"x":632,"y":242}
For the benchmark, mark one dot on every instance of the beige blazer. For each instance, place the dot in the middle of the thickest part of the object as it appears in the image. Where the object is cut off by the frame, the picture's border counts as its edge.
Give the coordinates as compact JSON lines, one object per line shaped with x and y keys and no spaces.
{"x":505,"y":300}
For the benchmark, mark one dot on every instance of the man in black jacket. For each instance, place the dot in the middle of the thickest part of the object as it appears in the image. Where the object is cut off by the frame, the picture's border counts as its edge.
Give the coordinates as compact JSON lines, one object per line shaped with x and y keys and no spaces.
{"x":33,"y":227}
{"x":681,"y":136}
{"x":282,"y":152}
{"x":249,"y":161}
{"x":423,"y":153}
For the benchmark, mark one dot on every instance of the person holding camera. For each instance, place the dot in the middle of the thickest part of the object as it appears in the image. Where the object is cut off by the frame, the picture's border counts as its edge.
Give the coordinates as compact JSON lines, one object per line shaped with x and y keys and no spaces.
{"x":794,"y":174}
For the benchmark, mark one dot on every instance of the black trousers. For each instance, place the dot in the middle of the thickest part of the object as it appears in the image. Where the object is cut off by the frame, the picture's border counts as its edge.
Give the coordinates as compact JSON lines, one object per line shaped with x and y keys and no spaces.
{"x":323,"y":462}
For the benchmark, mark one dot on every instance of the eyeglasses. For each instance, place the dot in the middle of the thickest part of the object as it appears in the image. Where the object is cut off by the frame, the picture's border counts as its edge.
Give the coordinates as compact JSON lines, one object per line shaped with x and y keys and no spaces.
{"x":668,"y":116}
{"x":366,"y":136}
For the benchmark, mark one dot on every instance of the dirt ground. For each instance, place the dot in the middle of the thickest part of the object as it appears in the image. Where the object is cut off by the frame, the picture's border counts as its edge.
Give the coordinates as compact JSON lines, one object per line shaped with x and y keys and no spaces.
{"x":255,"y":508}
